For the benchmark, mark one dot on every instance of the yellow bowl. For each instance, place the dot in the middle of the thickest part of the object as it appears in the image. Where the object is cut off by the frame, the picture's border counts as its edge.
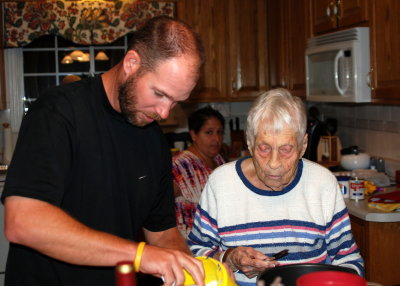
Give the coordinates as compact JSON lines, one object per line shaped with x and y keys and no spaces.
{"x":215,"y":273}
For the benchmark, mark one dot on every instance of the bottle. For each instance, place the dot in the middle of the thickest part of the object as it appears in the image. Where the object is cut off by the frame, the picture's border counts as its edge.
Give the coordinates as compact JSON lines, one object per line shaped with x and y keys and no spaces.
{"x":124,"y":274}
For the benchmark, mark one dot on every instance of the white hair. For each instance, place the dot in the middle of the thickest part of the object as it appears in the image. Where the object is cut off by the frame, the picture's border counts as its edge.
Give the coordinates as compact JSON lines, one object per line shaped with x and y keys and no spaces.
{"x":274,"y":110}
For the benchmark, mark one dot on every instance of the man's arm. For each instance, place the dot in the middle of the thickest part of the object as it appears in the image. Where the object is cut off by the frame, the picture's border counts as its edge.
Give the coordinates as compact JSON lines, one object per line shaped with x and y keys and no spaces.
{"x":170,"y":238}
{"x":51,"y":231}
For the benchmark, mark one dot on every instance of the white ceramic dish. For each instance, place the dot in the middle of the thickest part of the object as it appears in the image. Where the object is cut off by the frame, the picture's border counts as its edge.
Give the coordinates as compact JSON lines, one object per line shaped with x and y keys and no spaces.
{"x":355,"y":161}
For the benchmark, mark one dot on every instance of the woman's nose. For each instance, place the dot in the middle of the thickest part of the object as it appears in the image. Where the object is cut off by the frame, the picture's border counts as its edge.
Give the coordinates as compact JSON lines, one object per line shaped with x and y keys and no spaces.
{"x":217,"y":137}
{"x":274,"y":161}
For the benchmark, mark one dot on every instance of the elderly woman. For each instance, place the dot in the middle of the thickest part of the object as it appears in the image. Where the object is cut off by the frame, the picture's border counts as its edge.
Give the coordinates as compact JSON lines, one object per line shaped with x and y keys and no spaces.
{"x":192,"y":167}
{"x":274,"y":200}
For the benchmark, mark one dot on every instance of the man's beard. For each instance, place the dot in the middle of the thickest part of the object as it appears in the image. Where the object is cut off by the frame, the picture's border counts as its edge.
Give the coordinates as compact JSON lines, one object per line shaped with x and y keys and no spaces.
{"x":127,"y":97}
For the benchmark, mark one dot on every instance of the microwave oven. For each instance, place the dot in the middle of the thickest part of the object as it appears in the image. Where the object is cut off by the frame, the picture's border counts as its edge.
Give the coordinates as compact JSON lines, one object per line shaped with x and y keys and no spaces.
{"x":338,"y":66}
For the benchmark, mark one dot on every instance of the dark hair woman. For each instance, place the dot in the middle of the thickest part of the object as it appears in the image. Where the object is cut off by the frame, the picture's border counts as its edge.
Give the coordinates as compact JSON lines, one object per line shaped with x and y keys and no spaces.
{"x":192,"y":167}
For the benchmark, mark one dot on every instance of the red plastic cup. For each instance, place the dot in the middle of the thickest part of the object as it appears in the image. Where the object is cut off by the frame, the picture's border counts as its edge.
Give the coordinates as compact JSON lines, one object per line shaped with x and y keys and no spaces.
{"x":330,"y":278}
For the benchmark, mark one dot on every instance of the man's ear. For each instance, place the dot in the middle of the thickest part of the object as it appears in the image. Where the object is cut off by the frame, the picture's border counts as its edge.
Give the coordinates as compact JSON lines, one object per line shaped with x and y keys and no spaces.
{"x":131,"y":62}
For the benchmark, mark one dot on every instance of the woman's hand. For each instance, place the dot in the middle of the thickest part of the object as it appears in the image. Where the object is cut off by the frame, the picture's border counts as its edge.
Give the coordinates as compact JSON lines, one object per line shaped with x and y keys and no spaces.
{"x":249,"y":261}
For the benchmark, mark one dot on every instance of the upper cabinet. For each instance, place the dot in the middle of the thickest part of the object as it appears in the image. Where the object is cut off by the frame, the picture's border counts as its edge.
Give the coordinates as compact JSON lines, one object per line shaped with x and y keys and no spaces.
{"x":234,"y":37}
{"x":247,"y":49}
{"x":329,"y":15}
{"x":208,"y":18}
{"x":385,"y":47}
{"x":288,"y":31}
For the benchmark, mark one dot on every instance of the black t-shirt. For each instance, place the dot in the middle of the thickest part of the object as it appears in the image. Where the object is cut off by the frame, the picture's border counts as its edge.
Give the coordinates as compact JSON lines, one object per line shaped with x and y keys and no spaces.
{"x":76,"y":152}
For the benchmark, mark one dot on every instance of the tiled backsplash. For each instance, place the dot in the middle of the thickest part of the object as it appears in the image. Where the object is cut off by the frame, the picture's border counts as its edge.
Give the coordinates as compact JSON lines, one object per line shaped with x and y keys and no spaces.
{"x":374,"y":128}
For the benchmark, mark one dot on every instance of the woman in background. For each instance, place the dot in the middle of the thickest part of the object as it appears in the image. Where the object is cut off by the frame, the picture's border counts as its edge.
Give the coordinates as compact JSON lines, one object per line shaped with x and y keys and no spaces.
{"x":192,"y":167}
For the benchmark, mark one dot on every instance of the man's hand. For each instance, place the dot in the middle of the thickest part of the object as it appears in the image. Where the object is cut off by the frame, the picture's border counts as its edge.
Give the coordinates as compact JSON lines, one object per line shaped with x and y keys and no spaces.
{"x":169,"y":264}
{"x":169,"y":254}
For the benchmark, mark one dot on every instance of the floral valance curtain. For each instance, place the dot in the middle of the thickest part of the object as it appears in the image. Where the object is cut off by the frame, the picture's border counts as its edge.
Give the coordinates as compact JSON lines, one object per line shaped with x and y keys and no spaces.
{"x":83,"y":22}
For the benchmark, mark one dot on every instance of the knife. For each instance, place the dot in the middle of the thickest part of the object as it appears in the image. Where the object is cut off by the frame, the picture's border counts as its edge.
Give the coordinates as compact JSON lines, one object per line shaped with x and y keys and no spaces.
{"x":280,"y":254}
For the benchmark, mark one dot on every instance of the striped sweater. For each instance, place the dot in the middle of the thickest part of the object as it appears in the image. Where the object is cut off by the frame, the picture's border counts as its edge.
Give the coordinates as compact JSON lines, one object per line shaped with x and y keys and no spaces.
{"x":308,"y":217}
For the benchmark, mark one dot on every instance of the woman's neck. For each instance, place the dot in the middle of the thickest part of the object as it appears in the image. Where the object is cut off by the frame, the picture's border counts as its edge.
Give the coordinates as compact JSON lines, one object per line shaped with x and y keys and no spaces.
{"x":210,"y":163}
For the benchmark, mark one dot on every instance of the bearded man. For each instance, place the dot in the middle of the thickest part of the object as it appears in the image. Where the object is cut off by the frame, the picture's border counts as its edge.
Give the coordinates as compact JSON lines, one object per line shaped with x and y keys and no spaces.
{"x":91,"y":168}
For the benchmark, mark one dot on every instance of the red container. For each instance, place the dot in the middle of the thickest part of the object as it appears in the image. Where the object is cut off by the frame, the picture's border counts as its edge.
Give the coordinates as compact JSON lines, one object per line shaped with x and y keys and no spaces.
{"x":124,"y":274}
{"x":330,"y":278}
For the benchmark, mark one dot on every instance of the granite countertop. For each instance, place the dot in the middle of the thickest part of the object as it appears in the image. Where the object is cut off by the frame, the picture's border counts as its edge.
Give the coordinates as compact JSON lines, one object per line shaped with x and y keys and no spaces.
{"x":361,"y":210}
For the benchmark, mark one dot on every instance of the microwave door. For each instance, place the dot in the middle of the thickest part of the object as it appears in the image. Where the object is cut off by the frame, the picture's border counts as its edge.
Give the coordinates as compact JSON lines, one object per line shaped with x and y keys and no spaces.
{"x":321,"y":73}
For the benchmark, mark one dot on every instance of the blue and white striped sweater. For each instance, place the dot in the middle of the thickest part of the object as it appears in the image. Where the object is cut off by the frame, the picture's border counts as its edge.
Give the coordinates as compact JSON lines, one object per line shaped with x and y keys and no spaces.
{"x":309,"y":218}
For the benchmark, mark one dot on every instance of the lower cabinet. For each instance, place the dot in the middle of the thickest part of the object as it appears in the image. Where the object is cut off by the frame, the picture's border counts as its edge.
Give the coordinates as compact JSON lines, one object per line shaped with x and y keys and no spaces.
{"x":379,"y":243}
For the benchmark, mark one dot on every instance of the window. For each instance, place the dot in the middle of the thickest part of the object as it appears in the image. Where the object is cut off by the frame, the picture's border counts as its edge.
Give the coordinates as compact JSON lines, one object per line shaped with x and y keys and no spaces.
{"x":43,"y":64}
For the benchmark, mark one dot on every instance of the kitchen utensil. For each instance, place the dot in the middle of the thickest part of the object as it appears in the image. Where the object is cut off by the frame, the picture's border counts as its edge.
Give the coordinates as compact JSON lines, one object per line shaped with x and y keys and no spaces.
{"x":328,"y":152}
{"x":290,"y":273}
{"x":237,"y":124}
{"x":331,"y":125}
{"x":238,"y":143}
{"x":280,"y":254}
{"x":353,"y":158}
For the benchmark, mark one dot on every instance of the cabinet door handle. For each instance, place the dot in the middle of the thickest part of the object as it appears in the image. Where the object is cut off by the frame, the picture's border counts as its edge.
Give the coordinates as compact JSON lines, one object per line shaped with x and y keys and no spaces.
{"x":339,"y":10}
{"x":369,"y":79}
{"x":328,"y":11}
{"x":234,"y":85}
{"x":335,"y":10}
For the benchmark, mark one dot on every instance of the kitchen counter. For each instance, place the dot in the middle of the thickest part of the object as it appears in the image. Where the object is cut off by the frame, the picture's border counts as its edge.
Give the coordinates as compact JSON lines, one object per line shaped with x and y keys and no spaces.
{"x":361,"y":210}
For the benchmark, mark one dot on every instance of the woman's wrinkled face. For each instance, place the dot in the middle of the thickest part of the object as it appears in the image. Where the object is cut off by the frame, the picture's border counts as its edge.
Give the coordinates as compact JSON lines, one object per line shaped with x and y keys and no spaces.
{"x":209,"y":138}
{"x":276,"y":157}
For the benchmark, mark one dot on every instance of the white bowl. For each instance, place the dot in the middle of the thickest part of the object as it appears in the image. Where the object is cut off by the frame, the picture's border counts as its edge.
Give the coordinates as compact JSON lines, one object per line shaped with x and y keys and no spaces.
{"x":353,"y":162}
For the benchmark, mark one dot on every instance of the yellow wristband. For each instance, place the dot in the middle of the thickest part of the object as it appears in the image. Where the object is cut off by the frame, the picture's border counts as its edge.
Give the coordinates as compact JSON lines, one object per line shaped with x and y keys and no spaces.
{"x":138,"y":257}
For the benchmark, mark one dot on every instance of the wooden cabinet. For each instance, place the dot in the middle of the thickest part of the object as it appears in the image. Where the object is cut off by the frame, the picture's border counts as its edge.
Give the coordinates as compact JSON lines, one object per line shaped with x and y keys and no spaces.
{"x":379,"y":246}
{"x":289,"y":27}
{"x":247,"y":48}
{"x":385,"y":47}
{"x":234,"y":36}
{"x":329,"y":15}
{"x":208,"y":19}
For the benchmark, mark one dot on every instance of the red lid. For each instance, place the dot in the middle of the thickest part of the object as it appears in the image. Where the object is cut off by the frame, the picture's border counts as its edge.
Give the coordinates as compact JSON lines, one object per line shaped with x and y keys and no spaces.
{"x":330,"y":278}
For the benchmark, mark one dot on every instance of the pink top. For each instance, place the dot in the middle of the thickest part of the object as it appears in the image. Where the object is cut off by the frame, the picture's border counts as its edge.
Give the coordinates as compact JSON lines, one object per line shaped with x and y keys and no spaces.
{"x":190,"y":174}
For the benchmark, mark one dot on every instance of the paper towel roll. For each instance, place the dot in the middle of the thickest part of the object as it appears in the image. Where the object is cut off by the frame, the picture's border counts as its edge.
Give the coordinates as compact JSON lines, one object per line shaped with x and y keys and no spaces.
{"x":7,"y":144}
